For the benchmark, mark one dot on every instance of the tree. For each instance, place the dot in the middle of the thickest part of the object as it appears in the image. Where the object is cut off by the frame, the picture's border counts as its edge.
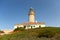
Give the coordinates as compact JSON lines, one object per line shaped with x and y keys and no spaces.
{"x":1,"y":31}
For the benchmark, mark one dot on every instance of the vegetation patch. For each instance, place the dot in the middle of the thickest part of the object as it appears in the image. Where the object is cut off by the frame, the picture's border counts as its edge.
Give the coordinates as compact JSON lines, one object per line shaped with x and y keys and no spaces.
{"x":47,"y":33}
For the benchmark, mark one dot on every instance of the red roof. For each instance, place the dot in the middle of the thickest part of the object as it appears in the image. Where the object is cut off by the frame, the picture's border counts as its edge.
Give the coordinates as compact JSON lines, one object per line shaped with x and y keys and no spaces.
{"x":29,"y":23}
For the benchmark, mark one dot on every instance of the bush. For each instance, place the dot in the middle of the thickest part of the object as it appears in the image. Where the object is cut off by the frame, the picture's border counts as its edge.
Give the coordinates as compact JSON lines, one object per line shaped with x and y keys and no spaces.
{"x":19,"y":29}
{"x":46,"y":33}
{"x":1,"y":31}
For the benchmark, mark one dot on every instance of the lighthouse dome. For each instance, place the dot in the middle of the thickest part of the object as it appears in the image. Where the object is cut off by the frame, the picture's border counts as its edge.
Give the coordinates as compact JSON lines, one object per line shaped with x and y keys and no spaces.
{"x":31,"y":11}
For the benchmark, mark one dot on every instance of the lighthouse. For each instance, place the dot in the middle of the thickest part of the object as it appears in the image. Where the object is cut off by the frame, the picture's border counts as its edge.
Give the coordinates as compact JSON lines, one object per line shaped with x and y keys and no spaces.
{"x":31,"y":15}
{"x":31,"y":21}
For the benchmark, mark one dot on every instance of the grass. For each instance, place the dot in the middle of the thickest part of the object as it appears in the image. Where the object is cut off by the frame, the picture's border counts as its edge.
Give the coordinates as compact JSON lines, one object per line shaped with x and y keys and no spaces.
{"x":34,"y":34}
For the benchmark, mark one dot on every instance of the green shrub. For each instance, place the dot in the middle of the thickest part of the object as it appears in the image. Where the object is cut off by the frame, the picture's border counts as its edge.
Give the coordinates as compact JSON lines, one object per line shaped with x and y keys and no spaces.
{"x":19,"y":29}
{"x":1,"y":31}
{"x":46,"y":33}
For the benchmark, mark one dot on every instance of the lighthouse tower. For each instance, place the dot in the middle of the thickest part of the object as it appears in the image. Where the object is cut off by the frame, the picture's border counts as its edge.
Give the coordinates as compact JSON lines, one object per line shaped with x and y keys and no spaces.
{"x":31,"y":15}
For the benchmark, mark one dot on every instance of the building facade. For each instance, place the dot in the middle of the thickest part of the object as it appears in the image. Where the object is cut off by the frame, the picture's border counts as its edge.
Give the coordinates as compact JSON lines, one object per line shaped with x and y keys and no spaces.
{"x":31,"y":21}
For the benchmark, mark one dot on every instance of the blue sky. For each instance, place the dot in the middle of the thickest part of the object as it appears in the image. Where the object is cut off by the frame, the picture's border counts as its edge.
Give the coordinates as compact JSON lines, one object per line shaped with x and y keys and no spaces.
{"x":16,"y":11}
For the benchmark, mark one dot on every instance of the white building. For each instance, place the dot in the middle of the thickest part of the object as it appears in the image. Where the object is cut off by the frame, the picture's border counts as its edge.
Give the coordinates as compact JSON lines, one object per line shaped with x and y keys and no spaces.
{"x":31,"y":23}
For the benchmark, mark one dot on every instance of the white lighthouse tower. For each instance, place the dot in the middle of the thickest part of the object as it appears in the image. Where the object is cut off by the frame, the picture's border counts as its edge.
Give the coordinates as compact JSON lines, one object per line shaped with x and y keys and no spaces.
{"x":31,"y":15}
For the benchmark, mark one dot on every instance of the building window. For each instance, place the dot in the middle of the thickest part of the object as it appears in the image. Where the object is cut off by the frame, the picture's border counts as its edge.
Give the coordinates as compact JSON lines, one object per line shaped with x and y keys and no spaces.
{"x":34,"y":26}
{"x":24,"y":26}
{"x":31,"y":27}
{"x":39,"y":26}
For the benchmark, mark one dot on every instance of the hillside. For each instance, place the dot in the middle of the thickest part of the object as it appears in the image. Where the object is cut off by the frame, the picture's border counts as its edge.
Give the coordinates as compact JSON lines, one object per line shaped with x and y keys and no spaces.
{"x":47,"y":33}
